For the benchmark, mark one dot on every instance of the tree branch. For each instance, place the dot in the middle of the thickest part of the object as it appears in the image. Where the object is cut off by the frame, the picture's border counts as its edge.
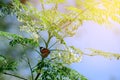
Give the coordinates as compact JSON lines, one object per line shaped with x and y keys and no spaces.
{"x":53,"y":44}
{"x":58,"y":50}
{"x":28,"y":61}
{"x":31,"y":48}
{"x":42,"y":5}
{"x":37,"y":76}
{"x":52,"y":59}
{"x":49,"y":38}
{"x":14,"y":76}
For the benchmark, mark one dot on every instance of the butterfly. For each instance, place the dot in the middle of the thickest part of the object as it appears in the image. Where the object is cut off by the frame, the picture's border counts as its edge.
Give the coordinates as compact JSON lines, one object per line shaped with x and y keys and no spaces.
{"x":44,"y":52}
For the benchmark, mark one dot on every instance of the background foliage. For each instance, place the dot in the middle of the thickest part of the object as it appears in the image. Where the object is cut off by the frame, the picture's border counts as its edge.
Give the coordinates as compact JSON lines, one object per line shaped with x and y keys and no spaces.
{"x":48,"y":27}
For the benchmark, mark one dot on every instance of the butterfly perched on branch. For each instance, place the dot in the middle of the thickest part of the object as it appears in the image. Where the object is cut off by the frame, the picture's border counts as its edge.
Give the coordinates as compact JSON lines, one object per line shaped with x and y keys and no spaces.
{"x":44,"y":52}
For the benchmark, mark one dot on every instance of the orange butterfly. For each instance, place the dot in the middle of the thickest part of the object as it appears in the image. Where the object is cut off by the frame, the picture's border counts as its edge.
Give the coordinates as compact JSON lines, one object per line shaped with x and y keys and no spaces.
{"x":44,"y":52}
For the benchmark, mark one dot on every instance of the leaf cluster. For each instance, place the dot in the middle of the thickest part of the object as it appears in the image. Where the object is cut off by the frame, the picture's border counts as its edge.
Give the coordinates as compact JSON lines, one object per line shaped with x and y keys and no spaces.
{"x":109,"y":55}
{"x":68,"y":55}
{"x":6,"y":64}
{"x":99,"y":11}
{"x":58,"y":71}
{"x":58,"y":25}
{"x":9,"y":8}
{"x":17,"y":39}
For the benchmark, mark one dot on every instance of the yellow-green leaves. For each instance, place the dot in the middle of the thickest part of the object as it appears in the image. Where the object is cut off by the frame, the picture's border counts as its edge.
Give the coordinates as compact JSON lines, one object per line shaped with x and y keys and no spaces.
{"x":74,"y":9}
{"x":9,"y":35}
{"x":52,"y":1}
{"x":24,"y":41}
{"x":68,"y":56}
{"x":58,"y":71}
{"x":100,"y":11}
{"x":103,"y":53}
{"x":17,"y":39}
{"x":6,"y":64}
{"x":2,"y":60}
{"x":61,"y":24}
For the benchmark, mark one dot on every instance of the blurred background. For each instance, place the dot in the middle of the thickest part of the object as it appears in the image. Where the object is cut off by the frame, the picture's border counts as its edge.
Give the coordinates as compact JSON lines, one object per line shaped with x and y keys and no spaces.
{"x":89,"y":35}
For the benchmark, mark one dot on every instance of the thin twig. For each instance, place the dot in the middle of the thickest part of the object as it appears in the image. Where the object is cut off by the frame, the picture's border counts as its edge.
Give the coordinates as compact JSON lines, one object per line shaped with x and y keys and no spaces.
{"x":89,"y":54}
{"x":43,"y":40}
{"x":49,"y":38}
{"x":70,"y":22}
{"x":42,"y":5}
{"x":31,"y":48}
{"x":14,"y":75}
{"x":57,"y":50}
{"x":53,"y":44}
{"x":28,"y":61}
{"x":52,"y":59}
{"x":37,"y":76}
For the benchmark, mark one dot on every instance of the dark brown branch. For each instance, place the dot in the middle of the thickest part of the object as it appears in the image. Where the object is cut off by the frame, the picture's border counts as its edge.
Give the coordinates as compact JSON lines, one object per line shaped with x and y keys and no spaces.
{"x":37,"y":76}
{"x":52,"y":59}
{"x":14,"y":76}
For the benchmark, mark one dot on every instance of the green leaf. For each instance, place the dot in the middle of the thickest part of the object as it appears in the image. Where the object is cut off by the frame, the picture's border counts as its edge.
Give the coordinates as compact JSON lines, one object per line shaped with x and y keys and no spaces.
{"x":6,"y":64}
{"x":108,"y":55}
{"x":17,"y":39}
{"x":58,"y":71}
{"x":9,"y":35}
{"x":24,"y":41}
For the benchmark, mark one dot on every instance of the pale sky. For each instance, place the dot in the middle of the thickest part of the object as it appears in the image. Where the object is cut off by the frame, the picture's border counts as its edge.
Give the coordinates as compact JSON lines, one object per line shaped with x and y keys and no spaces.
{"x":106,"y":38}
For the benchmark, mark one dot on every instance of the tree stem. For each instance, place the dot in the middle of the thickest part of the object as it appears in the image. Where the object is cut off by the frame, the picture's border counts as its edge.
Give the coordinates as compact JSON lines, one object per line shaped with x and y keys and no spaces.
{"x":14,"y":75}
{"x":49,"y":38}
{"x":53,"y":44}
{"x":30,"y":68}
{"x":37,"y":76}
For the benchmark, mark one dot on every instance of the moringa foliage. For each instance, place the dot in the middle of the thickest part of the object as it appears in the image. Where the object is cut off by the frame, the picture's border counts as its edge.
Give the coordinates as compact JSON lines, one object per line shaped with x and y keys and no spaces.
{"x":17,"y":39}
{"x":58,"y":25}
{"x":58,"y":71}
{"x":6,"y":64}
